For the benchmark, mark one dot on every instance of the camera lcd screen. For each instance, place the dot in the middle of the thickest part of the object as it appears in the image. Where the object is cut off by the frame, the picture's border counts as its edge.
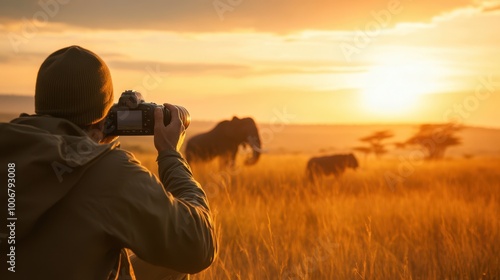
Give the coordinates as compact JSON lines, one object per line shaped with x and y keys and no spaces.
{"x":129,"y":120}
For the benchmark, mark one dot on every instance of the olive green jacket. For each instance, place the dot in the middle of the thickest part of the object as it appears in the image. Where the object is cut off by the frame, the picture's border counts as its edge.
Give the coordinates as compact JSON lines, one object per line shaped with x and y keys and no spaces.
{"x":75,"y":204}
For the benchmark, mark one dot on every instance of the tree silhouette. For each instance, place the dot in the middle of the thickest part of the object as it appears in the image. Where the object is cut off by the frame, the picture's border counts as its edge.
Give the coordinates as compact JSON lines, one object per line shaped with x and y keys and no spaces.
{"x":364,"y":150}
{"x":434,"y":139}
{"x":375,"y":143}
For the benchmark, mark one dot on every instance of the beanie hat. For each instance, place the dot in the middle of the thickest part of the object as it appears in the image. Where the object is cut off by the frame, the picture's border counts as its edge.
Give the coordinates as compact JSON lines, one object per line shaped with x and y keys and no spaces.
{"x":75,"y":84}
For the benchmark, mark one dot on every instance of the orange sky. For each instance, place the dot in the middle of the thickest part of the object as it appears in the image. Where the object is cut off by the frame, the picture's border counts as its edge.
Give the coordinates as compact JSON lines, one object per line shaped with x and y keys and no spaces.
{"x":310,"y":61}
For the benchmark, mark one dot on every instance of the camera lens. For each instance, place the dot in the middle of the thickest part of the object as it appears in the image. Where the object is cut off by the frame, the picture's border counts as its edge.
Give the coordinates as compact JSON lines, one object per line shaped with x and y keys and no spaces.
{"x":184,"y":116}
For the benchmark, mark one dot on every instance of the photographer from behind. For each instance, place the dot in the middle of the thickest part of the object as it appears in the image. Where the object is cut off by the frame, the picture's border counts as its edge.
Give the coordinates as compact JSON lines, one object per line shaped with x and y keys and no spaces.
{"x":82,"y":203}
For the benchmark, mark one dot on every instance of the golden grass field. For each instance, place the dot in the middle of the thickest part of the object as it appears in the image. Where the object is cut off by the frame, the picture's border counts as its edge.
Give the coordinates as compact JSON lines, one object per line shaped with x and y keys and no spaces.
{"x":436,"y":220}
{"x":440,"y":220}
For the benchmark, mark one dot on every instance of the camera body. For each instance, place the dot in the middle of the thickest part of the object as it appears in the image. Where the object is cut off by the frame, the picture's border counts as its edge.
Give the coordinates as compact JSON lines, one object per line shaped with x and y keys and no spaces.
{"x":133,"y":116}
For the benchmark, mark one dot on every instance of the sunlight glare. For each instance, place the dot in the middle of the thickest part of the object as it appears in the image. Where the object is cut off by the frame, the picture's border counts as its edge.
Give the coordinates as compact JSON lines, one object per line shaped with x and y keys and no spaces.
{"x":394,"y":88}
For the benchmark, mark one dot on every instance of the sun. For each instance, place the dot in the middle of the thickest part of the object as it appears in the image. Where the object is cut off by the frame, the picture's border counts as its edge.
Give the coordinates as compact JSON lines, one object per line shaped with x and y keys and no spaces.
{"x":395,"y":87}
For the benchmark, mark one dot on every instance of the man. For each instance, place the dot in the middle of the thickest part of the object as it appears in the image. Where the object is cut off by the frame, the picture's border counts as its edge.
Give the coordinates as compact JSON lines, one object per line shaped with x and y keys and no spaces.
{"x":75,"y":202}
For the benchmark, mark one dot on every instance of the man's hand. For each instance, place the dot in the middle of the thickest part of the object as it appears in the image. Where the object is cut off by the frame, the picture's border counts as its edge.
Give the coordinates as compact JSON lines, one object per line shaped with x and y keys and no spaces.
{"x":168,"y":137}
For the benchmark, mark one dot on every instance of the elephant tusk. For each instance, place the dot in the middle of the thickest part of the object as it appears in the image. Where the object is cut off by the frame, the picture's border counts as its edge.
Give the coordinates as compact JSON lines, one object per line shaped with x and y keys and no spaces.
{"x":257,"y":149}
{"x":251,"y":142}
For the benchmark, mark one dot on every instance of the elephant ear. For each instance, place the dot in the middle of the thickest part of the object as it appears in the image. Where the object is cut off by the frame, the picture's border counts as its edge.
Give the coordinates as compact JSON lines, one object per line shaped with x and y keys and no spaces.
{"x":250,"y":126}
{"x":229,"y":128}
{"x":239,"y":129}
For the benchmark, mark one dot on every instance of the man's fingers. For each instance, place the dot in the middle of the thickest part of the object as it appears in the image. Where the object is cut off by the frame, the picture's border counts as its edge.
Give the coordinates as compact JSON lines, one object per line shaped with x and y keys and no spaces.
{"x":168,"y":137}
{"x":174,"y":114}
{"x":159,"y":117}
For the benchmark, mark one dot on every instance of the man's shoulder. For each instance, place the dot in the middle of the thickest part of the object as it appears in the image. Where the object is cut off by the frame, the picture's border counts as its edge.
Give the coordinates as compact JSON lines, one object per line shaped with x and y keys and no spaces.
{"x":120,"y":171}
{"x":119,"y":157}
{"x":121,"y":162}
{"x":15,"y":129}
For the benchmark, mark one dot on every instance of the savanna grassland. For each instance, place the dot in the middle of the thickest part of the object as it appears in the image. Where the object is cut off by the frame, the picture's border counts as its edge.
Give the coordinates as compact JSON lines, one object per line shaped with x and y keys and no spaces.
{"x":391,"y":219}
{"x":435,"y":220}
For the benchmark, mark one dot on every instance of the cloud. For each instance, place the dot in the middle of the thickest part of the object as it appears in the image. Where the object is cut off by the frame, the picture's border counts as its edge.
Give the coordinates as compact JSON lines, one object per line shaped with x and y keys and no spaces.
{"x":4,"y":58}
{"x":237,"y":70}
{"x":279,"y":16}
{"x":492,"y":8}
{"x":183,"y":68}
{"x":23,"y":58}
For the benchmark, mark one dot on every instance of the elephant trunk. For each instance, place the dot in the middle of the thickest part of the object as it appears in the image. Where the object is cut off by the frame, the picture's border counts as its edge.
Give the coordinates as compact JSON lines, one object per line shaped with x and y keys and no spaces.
{"x":254,"y":142}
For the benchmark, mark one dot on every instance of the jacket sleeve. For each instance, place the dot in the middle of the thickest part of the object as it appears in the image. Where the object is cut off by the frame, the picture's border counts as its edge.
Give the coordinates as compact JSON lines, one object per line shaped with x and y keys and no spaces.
{"x":194,"y":217}
{"x":165,"y":223}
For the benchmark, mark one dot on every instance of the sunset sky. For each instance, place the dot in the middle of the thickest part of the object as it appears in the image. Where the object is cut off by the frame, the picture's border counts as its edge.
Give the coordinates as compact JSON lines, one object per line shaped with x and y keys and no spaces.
{"x":290,"y":61}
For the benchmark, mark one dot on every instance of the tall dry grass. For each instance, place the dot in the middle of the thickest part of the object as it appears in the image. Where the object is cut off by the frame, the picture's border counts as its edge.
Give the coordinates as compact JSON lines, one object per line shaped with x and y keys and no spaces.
{"x":440,"y":221}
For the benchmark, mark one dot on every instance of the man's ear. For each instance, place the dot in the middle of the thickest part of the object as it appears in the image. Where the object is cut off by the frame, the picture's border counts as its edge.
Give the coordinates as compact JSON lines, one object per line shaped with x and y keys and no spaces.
{"x":96,"y":131}
{"x":104,"y":139}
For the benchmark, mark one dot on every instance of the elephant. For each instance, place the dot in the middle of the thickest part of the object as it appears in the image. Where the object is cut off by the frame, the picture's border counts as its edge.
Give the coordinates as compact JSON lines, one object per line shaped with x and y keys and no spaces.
{"x":223,"y":141}
{"x":333,"y":164}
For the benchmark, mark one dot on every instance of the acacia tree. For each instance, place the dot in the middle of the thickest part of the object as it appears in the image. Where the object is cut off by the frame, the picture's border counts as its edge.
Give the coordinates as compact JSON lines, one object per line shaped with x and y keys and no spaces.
{"x":375,"y":143}
{"x":364,"y":150}
{"x":434,"y":139}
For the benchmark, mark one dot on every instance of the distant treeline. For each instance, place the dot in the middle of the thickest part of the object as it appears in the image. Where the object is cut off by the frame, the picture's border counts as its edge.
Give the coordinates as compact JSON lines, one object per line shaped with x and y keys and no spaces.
{"x":14,"y":104}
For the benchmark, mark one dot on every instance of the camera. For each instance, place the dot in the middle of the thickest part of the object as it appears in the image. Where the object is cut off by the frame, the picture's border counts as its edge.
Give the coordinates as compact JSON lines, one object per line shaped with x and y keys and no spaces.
{"x":133,"y":116}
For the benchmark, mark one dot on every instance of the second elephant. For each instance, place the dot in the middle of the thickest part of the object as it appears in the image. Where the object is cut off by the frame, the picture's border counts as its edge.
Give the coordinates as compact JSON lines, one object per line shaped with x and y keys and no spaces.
{"x":223,"y":142}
